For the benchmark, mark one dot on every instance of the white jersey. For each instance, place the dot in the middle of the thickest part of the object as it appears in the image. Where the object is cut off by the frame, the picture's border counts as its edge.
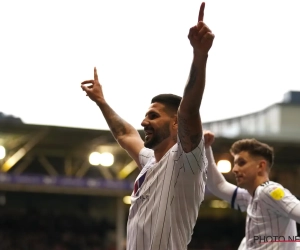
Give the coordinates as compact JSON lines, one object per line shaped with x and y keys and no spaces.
{"x":242,"y":245}
{"x":268,"y":225}
{"x":166,"y":199}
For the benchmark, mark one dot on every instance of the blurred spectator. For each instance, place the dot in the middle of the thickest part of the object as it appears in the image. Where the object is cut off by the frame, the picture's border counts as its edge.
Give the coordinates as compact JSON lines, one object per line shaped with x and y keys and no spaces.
{"x":35,"y":231}
{"x":30,"y":229}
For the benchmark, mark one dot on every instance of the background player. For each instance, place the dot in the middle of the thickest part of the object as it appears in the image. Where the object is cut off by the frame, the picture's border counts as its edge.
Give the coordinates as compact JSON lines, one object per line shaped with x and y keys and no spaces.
{"x":170,"y":187}
{"x":271,"y":209}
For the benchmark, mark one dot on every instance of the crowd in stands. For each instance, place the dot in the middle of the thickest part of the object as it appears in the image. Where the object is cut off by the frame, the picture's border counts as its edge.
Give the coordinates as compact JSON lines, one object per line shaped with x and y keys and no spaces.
{"x":32,"y":230}
{"x":36,"y":231}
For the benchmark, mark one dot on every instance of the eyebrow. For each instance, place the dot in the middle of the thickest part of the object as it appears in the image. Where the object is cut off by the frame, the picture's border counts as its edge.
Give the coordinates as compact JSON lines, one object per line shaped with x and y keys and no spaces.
{"x":238,"y":159}
{"x":150,"y":112}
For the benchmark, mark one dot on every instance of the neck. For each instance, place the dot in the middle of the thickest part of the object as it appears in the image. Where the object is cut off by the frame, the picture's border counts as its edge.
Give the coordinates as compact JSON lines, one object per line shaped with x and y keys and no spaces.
{"x":257,"y":183}
{"x":161,"y":149}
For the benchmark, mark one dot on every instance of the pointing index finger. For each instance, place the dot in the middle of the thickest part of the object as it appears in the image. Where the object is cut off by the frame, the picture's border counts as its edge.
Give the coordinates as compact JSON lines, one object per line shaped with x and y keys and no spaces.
{"x":95,"y":74}
{"x":201,"y":12}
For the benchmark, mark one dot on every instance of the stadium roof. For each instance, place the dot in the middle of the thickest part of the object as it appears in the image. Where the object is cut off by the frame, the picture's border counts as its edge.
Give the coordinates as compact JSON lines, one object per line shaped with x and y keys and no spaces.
{"x":55,"y":152}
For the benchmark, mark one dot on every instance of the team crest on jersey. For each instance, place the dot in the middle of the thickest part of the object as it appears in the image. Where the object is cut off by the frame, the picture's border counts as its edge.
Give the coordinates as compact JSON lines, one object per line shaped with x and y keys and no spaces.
{"x":277,"y":194}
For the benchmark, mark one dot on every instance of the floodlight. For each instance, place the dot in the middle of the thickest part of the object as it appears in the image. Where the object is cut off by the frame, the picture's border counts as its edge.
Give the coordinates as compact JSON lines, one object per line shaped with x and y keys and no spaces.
{"x":224,"y":166}
{"x":2,"y":152}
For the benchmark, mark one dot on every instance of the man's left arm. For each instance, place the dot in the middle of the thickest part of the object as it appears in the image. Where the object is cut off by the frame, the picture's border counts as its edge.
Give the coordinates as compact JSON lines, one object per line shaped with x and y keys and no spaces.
{"x":189,"y":121}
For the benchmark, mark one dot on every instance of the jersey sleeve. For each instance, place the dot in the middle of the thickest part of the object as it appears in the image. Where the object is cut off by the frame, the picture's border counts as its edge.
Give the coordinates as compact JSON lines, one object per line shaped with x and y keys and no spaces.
{"x":240,"y":199}
{"x":278,"y":199}
{"x":194,"y":161}
{"x":145,"y":155}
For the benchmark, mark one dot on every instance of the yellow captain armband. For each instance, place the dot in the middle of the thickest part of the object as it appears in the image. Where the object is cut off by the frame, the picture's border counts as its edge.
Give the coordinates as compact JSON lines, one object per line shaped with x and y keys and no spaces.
{"x":277,"y":194}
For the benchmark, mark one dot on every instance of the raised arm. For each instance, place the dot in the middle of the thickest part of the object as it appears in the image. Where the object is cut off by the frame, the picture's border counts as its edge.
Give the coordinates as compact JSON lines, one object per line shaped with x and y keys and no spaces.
{"x":189,"y":121}
{"x":124,"y":133}
{"x":216,"y":182}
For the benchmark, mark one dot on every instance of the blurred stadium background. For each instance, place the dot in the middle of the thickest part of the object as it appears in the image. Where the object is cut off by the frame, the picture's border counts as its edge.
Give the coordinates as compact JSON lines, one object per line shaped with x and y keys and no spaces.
{"x":67,"y":188}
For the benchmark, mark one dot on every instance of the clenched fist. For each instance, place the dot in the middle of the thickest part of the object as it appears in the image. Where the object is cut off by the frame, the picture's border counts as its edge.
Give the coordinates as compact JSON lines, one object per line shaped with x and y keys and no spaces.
{"x":209,"y":138}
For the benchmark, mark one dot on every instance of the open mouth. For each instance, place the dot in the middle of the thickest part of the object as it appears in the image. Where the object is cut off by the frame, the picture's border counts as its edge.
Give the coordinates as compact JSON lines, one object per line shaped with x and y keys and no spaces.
{"x":148,"y":135}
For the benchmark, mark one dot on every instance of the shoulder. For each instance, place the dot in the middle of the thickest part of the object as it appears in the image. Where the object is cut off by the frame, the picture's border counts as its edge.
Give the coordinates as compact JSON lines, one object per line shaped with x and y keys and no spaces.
{"x":146,"y":152}
{"x":272,"y":190}
{"x":195,"y":160}
{"x":200,"y":147}
{"x":241,"y":193}
{"x":277,"y":198}
{"x":145,"y":155}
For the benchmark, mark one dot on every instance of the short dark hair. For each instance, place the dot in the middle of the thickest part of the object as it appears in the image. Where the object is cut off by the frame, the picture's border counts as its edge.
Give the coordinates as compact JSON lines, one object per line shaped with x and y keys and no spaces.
{"x":254,"y":148}
{"x":171,"y":101}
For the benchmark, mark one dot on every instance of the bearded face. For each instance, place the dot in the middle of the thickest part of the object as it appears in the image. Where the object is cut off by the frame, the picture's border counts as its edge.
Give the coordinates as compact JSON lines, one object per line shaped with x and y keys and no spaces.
{"x":153,"y":137}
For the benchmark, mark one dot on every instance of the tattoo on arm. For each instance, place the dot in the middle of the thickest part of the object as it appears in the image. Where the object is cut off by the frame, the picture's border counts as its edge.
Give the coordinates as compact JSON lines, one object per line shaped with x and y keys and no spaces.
{"x":118,"y":128}
{"x":116,"y":124}
{"x":188,"y":141}
{"x":195,"y":139}
{"x":192,"y":78}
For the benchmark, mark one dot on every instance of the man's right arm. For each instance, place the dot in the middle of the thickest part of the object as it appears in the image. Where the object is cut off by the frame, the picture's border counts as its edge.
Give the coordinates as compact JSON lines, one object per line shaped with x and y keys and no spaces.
{"x":124,"y":133}
{"x":216,"y":182}
{"x":237,"y":197}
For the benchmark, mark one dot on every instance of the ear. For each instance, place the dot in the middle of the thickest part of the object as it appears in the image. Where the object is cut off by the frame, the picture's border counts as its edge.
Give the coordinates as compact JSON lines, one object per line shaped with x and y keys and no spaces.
{"x":175,"y":122}
{"x":263,"y":166}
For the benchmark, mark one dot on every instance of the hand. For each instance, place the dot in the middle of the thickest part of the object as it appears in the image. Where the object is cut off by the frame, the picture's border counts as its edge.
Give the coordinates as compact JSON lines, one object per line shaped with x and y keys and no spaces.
{"x":93,"y":91}
{"x":200,"y":36}
{"x":209,"y":138}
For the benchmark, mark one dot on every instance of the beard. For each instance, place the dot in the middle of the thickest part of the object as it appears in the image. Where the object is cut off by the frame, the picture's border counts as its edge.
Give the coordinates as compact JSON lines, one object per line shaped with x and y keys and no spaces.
{"x":158,"y":136}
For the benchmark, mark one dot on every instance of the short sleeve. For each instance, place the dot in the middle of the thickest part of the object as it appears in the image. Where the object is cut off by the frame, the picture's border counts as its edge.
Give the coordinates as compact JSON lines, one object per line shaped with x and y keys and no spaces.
{"x":145,"y":155}
{"x":240,"y":199}
{"x":278,"y":199}
{"x":195,"y":160}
